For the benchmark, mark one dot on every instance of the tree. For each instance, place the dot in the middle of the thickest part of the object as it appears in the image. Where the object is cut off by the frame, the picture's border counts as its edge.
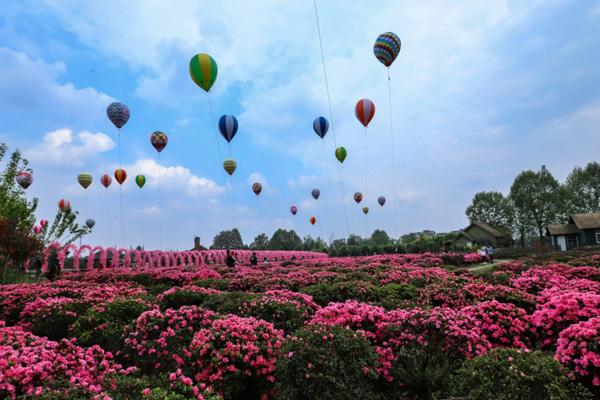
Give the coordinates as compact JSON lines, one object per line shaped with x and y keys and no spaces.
{"x":582,"y":189}
{"x":537,"y":199}
{"x":285,"y":240}
{"x":17,"y":217}
{"x":260,"y":242}
{"x":311,"y":244}
{"x":492,"y":208}
{"x":231,"y":239}
{"x":354,"y":240}
{"x":380,"y":237}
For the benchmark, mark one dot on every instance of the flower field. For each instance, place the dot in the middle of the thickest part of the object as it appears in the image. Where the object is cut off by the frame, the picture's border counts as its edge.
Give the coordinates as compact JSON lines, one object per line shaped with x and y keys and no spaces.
{"x":411,"y":326}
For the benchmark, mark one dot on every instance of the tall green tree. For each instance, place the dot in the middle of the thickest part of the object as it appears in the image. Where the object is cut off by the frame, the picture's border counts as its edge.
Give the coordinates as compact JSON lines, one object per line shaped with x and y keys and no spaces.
{"x":537,"y":198}
{"x":379,"y":237}
{"x":582,"y":189}
{"x":229,"y":239}
{"x":311,"y":244}
{"x":492,"y":208}
{"x":285,"y":240}
{"x":260,"y":242}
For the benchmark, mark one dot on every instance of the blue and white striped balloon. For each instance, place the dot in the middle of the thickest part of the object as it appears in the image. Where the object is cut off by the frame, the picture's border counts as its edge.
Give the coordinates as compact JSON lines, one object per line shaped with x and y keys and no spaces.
{"x":321,"y":126}
{"x":228,"y":126}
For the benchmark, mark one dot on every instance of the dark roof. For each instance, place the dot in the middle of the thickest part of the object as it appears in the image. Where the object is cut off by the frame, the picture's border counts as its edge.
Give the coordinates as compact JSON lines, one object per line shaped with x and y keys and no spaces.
{"x":566,"y":229}
{"x":492,"y":231}
{"x":466,"y":236}
{"x":586,"y":221}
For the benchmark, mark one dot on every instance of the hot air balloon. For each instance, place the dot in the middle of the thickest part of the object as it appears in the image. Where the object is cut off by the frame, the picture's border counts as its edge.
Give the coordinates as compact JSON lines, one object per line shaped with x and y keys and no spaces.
{"x":203,"y":70}
{"x":90,"y":223}
{"x":256,"y":188}
{"x":43,"y":222}
{"x":24,"y":179}
{"x":365,"y":210}
{"x":159,"y":140}
{"x":381,"y":200}
{"x":105,"y":180}
{"x":340,"y":154}
{"x":364,"y":111}
{"x":140,"y":180}
{"x":229,"y":166}
{"x":120,"y":175}
{"x":37,"y":229}
{"x":64,"y":205}
{"x":118,"y":113}
{"x":228,"y":126}
{"x":386,"y":48}
{"x":358,"y":197}
{"x":85,"y":180}
{"x":293,"y":210}
{"x":321,"y":126}
{"x":313,"y":220}
{"x":315,"y":193}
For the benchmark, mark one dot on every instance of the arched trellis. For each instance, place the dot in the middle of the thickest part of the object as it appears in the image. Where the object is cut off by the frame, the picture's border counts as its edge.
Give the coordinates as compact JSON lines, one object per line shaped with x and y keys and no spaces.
{"x":162,"y":259}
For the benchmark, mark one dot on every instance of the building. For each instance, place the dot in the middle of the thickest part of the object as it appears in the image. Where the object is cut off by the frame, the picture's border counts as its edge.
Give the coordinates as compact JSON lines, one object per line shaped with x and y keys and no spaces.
{"x":197,"y":245}
{"x":479,"y":233}
{"x":582,"y":230}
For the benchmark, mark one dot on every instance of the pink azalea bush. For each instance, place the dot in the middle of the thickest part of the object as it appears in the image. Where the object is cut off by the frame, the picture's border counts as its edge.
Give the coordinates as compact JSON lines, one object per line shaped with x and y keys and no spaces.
{"x":565,"y":309}
{"x":578,"y":348}
{"x":29,"y":364}
{"x":236,"y":353}
{"x":160,"y":339}
{"x":503,"y":324}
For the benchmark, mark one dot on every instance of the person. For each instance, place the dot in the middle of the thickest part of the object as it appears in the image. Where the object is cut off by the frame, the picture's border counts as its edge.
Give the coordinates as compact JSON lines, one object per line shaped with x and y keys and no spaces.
{"x":491,"y":253}
{"x":53,"y":266}
{"x":230,"y":260}
{"x":253,"y":259}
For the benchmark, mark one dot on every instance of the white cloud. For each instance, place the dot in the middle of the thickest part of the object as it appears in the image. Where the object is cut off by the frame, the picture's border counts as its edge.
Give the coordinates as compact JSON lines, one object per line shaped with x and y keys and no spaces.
{"x":31,"y":86}
{"x":174,"y":177}
{"x":257,"y":177}
{"x":62,"y":147}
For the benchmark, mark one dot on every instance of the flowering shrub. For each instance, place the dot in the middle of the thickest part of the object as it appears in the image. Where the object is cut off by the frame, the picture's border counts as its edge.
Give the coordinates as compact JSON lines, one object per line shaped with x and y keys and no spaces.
{"x":237,"y":356}
{"x":327,"y":362}
{"x":29,"y":363}
{"x":504,"y":325}
{"x":159,"y":339}
{"x":105,"y":324}
{"x":508,"y":374}
{"x":421,"y":347}
{"x":352,"y":315}
{"x":578,"y":348}
{"x":282,"y":308}
{"x":52,"y":316}
{"x":563,"y":310}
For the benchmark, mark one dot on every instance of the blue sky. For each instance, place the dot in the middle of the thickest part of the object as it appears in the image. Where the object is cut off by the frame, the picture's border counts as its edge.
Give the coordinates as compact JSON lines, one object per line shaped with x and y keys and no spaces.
{"x":480,"y":92}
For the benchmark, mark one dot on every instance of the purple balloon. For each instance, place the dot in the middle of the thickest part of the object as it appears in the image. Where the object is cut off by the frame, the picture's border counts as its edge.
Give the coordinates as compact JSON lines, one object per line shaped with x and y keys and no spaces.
{"x":381,"y":200}
{"x":316,"y":193}
{"x":293,"y":210}
{"x":118,"y":113}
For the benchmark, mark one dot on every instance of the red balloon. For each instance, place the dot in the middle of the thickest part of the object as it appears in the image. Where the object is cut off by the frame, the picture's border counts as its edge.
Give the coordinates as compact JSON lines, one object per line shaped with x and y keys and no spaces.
{"x":313,"y":220}
{"x":364,"y":111}
{"x":120,"y":175}
{"x":64,"y":205}
{"x":43,"y":222}
{"x":106,"y":180}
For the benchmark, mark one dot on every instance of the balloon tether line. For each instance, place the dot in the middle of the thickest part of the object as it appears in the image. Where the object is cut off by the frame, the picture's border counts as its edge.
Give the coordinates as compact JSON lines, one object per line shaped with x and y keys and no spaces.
{"x":160,"y":234}
{"x":331,"y":115}
{"x":393,"y":152}
{"x":329,"y":178}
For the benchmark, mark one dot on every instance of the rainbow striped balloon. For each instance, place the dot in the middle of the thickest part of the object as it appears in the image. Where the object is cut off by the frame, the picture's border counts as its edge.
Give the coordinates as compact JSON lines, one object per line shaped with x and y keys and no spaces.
{"x":84,"y":180}
{"x":229,"y":166}
{"x":140,"y":180}
{"x":387,"y":47}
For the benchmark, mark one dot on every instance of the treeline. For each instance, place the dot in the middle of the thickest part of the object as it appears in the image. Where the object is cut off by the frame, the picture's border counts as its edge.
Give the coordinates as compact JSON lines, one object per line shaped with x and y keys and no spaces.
{"x":379,"y":242}
{"x":536,"y":200}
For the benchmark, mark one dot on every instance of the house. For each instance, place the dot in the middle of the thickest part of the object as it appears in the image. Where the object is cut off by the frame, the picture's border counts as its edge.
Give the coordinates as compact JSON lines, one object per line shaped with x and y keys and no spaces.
{"x":582,"y":230}
{"x":479,"y":233}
